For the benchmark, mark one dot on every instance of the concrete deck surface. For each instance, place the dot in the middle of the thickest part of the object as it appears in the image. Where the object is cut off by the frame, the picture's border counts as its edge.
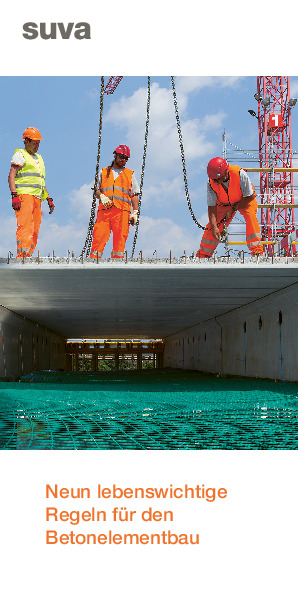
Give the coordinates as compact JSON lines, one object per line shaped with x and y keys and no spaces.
{"x":133,"y":300}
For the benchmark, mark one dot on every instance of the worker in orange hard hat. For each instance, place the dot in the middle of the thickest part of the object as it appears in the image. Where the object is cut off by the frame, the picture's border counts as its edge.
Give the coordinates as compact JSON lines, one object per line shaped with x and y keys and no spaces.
{"x":26,"y":181}
{"x":118,"y":193}
{"x":229,"y":190}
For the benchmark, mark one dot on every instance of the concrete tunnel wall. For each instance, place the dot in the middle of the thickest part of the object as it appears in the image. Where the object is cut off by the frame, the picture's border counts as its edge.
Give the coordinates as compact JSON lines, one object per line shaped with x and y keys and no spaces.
{"x":26,"y":346}
{"x":256,"y":340}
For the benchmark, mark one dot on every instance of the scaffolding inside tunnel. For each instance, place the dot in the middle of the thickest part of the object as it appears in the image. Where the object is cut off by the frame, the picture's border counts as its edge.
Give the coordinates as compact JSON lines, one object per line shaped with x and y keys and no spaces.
{"x":111,"y":354}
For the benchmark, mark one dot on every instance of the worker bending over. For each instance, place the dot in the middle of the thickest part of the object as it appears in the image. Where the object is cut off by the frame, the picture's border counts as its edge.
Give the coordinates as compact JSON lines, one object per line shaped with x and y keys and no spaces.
{"x":118,"y":192}
{"x":26,"y":181}
{"x":229,"y":190}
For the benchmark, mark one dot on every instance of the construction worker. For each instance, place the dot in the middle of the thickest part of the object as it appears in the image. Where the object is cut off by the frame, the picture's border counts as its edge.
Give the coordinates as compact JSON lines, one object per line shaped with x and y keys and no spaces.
{"x":118,"y":191}
{"x":26,"y":181}
{"x":229,"y":190}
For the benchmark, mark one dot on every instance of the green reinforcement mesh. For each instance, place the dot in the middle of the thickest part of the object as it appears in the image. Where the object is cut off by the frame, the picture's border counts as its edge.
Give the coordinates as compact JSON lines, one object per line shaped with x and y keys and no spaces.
{"x":158,"y":410}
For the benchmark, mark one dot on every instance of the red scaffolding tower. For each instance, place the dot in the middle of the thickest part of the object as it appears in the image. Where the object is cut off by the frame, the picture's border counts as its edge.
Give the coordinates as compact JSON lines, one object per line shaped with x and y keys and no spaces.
{"x":275,"y":153}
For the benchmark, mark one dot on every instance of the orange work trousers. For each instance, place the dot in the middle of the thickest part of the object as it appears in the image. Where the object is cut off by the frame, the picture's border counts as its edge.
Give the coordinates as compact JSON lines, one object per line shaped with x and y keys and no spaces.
{"x":253,"y":234}
{"x":110,"y":220}
{"x":28,"y":224}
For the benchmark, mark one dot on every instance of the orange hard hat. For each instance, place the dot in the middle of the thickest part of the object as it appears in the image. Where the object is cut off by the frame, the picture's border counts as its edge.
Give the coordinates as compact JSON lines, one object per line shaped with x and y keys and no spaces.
{"x":32,"y":133}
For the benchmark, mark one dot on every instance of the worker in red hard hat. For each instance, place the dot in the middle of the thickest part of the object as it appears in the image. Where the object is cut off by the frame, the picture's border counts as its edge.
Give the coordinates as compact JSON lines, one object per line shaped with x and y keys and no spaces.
{"x":229,"y":190}
{"x":26,"y":181}
{"x":118,"y":193}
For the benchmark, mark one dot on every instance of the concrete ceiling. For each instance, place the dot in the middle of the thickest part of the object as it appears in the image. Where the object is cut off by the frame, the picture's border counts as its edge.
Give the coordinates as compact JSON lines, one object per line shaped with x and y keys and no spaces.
{"x":134,"y":300}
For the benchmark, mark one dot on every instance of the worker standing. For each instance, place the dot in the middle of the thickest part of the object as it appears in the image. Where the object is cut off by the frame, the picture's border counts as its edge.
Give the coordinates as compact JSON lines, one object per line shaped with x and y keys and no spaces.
{"x":229,"y":190}
{"x":118,"y":192}
{"x":27,"y":185}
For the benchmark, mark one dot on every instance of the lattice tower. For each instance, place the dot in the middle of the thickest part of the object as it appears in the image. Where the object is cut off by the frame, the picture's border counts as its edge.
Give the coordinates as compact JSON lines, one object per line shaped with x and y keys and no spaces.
{"x":275,"y":151}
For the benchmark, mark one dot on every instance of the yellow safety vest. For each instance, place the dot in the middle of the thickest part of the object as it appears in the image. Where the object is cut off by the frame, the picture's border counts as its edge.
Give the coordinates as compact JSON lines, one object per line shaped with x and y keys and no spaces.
{"x":31,"y":178}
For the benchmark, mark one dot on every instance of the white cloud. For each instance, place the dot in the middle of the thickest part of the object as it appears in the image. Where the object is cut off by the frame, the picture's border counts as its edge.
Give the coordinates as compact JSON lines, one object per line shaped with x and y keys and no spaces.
{"x":213,"y":121}
{"x":169,"y":194}
{"x":165,"y":193}
{"x":188,"y":84}
{"x":93,"y":94}
{"x":52,"y":236}
{"x":61,"y":238}
{"x":163,"y":153}
{"x":8,"y":235}
{"x":162,"y":235}
{"x":81,"y":200}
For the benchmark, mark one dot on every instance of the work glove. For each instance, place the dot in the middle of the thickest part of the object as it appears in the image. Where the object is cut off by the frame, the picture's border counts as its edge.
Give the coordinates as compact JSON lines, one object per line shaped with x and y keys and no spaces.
{"x":16,"y":202}
{"x":51,"y":205}
{"x":134,"y":217}
{"x":106,"y":201}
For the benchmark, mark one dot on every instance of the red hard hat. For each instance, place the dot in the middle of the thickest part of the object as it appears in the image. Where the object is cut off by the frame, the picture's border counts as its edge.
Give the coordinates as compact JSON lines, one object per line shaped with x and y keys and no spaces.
{"x":123,"y":150}
{"x":32,"y":133}
{"x":216,"y":168}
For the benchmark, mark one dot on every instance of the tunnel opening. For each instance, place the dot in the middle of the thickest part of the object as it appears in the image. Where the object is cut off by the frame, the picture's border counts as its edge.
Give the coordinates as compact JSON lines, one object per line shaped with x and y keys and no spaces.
{"x":99,"y":355}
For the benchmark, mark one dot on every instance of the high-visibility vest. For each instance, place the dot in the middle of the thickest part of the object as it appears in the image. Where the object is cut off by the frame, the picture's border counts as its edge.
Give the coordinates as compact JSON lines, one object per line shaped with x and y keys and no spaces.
{"x":117,"y":190}
{"x":31,"y":178}
{"x":233,"y":193}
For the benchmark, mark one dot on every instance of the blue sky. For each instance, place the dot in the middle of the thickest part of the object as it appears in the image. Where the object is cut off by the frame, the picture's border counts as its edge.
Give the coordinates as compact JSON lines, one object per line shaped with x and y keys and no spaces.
{"x":66,"y":111}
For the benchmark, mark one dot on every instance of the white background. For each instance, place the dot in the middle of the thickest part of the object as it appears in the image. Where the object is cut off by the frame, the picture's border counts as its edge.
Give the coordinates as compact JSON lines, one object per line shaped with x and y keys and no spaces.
{"x":153,"y":38}
{"x":248,"y":541}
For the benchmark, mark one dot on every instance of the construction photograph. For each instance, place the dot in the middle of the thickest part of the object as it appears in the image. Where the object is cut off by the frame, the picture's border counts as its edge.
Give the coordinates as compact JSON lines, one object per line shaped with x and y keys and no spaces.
{"x":149,"y":263}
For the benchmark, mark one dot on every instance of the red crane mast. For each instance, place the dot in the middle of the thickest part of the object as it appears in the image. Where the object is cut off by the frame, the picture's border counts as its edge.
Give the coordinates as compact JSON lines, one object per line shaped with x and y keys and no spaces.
{"x":275,"y":152}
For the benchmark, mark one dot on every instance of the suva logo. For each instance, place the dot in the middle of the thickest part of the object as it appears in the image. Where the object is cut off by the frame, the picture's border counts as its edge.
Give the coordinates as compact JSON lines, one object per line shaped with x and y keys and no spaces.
{"x":49,"y":31}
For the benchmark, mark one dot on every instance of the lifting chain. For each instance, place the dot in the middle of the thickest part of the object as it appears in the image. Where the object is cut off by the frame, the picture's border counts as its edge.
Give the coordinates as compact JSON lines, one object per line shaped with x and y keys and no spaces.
{"x":182,"y":154}
{"x":143,"y":168}
{"x":88,"y":241}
